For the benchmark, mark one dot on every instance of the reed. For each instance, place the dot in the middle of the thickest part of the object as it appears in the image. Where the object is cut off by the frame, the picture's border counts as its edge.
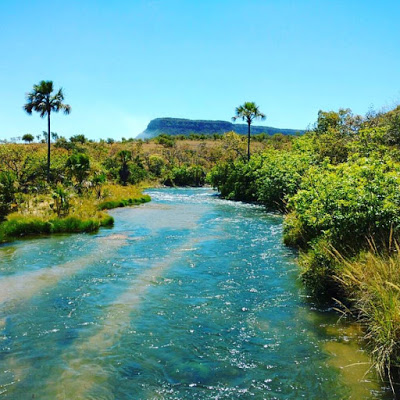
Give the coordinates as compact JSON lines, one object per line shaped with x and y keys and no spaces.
{"x":372,"y":283}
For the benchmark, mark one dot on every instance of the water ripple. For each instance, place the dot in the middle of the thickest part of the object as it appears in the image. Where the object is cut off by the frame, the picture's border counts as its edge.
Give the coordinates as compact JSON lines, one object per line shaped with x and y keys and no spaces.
{"x":188,"y":297}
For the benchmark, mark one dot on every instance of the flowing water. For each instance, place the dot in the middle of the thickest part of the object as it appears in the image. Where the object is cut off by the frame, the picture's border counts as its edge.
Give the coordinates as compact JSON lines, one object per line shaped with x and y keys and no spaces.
{"x":187,"y":297}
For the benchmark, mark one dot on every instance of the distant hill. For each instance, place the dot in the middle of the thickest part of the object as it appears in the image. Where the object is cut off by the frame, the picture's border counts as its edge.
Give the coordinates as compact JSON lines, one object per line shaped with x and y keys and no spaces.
{"x":179,"y":126}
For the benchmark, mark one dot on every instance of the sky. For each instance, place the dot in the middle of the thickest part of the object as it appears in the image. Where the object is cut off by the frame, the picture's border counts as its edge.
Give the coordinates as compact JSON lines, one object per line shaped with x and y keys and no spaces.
{"x":123,"y":63}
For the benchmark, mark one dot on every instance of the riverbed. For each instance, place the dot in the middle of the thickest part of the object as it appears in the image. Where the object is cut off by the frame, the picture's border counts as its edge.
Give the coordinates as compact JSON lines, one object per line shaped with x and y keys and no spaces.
{"x":187,"y":297}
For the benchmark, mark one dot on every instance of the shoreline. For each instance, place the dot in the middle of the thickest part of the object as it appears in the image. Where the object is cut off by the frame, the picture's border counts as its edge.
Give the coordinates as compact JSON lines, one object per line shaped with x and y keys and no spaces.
{"x":20,"y":226}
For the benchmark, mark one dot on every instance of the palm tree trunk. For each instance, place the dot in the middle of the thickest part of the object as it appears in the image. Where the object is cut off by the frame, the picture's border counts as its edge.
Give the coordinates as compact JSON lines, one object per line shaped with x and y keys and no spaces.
{"x":48,"y":147}
{"x":248,"y":142}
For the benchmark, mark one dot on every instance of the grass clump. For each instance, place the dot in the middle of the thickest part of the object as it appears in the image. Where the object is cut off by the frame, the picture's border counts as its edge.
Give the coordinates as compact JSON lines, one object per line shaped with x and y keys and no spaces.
{"x":76,"y":225}
{"x":19,"y":226}
{"x":372,"y":282}
{"x":108,"y":205}
{"x":85,"y":212}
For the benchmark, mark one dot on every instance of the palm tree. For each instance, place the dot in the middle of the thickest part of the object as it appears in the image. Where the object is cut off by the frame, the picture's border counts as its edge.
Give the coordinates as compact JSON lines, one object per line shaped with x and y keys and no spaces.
{"x":248,"y":112}
{"x":42,"y":100}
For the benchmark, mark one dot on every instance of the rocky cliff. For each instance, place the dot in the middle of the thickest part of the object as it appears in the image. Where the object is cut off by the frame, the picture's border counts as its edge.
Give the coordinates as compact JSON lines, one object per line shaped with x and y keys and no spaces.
{"x":178,"y":126}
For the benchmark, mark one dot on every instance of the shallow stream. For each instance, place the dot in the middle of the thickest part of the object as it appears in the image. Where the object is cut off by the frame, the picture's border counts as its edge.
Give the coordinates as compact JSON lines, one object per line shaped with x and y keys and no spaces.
{"x":187,"y":297}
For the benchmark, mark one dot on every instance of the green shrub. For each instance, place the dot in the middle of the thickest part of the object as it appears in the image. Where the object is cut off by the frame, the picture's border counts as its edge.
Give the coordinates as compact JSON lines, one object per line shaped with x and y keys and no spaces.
{"x":193,"y":175}
{"x":61,"y":202}
{"x":107,"y":220}
{"x":280,"y":177}
{"x":292,"y":231}
{"x":78,"y":166}
{"x":7,"y":193}
{"x":137,"y":173}
{"x":348,"y":203}
{"x":269,"y":178}
{"x":165,"y":140}
{"x":237,"y":180}
{"x":156,"y":165}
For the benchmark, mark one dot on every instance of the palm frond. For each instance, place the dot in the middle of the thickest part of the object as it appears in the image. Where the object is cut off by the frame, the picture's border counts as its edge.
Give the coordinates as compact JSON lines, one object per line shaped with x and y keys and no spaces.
{"x":41,"y":100}
{"x":248,"y":112}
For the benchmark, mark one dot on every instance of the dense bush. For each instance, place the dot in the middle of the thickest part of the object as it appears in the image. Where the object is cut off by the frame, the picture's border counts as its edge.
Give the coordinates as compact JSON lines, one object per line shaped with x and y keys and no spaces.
{"x":165,"y":140}
{"x":7,"y":193}
{"x":193,"y":175}
{"x":137,"y":173}
{"x":61,"y":202}
{"x":269,"y":178}
{"x":156,"y":165}
{"x":338,"y":183}
{"x":237,"y":180}
{"x":280,"y":177}
{"x":348,"y":203}
{"x":78,"y":166}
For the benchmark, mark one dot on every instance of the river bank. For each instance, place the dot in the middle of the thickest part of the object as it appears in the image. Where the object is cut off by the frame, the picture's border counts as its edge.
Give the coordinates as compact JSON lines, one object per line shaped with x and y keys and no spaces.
{"x":338,"y":188}
{"x":85,"y":213}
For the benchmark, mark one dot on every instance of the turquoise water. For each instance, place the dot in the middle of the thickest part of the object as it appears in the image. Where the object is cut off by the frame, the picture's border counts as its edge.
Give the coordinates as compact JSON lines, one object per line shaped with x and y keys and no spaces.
{"x":187,"y":297}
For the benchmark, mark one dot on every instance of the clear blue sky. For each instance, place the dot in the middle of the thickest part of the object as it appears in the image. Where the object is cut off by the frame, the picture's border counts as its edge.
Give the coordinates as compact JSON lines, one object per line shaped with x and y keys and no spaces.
{"x":122,"y":63}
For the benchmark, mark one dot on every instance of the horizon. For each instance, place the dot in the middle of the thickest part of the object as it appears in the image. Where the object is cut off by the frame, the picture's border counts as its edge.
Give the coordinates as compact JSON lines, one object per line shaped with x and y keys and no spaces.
{"x":123,"y":65}
{"x":17,"y":139}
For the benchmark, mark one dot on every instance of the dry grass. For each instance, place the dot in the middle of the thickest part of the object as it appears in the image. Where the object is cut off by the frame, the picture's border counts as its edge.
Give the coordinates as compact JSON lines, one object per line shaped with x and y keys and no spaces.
{"x":373,"y":284}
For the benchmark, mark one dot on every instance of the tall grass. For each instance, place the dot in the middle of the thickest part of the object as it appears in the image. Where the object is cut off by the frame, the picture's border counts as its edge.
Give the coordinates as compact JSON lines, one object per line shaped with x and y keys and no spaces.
{"x":372,"y":283}
{"x":85,"y":215}
{"x":18,"y":226}
{"x":108,"y":205}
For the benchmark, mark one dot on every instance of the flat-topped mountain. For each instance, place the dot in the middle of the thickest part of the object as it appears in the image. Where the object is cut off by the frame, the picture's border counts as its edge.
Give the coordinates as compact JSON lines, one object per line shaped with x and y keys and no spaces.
{"x":180,"y":126}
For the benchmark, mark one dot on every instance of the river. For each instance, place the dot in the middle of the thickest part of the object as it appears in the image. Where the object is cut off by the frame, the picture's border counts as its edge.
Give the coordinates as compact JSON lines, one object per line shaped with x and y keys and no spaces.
{"x":187,"y":297}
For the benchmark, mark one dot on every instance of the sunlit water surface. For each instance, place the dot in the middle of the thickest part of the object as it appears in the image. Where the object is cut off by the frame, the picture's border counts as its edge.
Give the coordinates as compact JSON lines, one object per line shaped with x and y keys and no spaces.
{"x":187,"y":297}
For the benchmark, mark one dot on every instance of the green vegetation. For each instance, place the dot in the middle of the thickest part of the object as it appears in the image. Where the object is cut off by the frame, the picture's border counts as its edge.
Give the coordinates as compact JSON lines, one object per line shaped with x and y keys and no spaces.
{"x":66,"y":210}
{"x":339,"y":188}
{"x":7,"y":193}
{"x":28,"y":138}
{"x":108,"y":205}
{"x":373,"y":282}
{"x":88,"y":177}
{"x":17,"y":227}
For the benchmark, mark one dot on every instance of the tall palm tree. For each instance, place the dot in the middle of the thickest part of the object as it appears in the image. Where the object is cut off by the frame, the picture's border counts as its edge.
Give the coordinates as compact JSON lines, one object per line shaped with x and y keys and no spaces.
{"x":248,"y":112}
{"x":42,"y":100}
